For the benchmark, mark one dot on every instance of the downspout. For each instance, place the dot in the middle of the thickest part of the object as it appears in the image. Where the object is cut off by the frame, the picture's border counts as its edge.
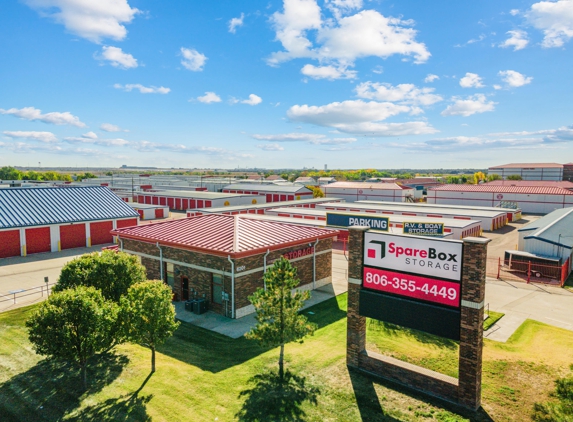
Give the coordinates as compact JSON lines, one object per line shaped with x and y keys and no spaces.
{"x":265,"y":268}
{"x":314,"y":264}
{"x":160,"y":261}
{"x":120,"y":243}
{"x":232,"y":286}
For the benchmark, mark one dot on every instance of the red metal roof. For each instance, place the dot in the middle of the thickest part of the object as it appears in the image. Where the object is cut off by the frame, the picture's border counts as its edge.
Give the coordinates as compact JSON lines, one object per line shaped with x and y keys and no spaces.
{"x":542,"y":190}
{"x":528,"y":165}
{"x":225,"y":234}
{"x":365,"y":185}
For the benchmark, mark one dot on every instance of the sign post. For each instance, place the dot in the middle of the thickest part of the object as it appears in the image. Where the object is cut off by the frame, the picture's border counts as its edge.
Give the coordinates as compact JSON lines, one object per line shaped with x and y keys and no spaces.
{"x":428,"y":284}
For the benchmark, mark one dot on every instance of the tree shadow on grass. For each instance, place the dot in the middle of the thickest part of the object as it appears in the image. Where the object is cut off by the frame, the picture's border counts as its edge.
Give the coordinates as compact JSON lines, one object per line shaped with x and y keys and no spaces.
{"x":198,"y":346}
{"x":395,"y":330}
{"x":51,"y":389}
{"x":371,"y":409}
{"x":125,"y":408}
{"x":274,"y":400}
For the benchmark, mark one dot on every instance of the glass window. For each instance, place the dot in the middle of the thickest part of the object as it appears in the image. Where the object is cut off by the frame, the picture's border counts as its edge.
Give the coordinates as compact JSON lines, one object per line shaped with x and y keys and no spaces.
{"x":217,"y":289}
{"x":170,"y":274}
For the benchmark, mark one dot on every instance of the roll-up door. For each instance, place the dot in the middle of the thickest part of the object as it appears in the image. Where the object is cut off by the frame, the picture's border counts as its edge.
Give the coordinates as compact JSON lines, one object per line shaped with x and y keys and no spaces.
{"x":9,"y":243}
{"x":158,"y":212}
{"x":171,"y":202}
{"x":126,"y":223}
{"x":73,"y":236}
{"x":100,"y":232}
{"x":38,"y":240}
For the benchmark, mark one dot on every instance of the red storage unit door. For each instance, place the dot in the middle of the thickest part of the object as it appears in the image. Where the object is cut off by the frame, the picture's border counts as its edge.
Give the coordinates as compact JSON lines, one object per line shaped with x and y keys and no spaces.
{"x":140,"y":212}
{"x":162,"y":200}
{"x":171,"y":202}
{"x":38,"y":240}
{"x":283,"y":198}
{"x":199,"y":203}
{"x":148,"y":199}
{"x":100,"y":232}
{"x":159,"y":213}
{"x":155,"y":200}
{"x":177,"y":203}
{"x":73,"y":236}
{"x":186,"y":204}
{"x":9,"y":243}
{"x":208,"y":204}
{"x":269,"y":197}
{"x":192,"y":203}
{"x":126,"y":223}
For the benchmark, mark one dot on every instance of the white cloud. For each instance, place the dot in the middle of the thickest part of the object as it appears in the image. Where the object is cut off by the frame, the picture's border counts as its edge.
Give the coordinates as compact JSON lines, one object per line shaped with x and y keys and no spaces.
{"x":117,"y":57}
{"x":327,"y":72}
{"x":117,"y":142}
{"x":90,"y":135}
{"x":108,"y":127}
{"x":497,"y":87}
{"x":270,"y":147}
{"x":309,"y":138}
{"x":235,"y":23}
{"x":517,"y":39}
{"x":359,"y":117}
{"x":471,"y":80}
{"x":192,"y":59}
{"x":403,"y":93}
{"x":55,"y":118}
{"x":92,"y":20}
{"x":471,"y":105}
{"x":209,"y":97}
{"x":514,"y":79}
{"x":378,"y":70}
{"x":46,"y":137}
{"x":143,"y":89}
{"x":555,"y":19}
{"x":344,"y":38}
{"x":252,"y":100}
{"x":514,"y":12}
{"x":431,"y":78}
{"x":342,"y":7}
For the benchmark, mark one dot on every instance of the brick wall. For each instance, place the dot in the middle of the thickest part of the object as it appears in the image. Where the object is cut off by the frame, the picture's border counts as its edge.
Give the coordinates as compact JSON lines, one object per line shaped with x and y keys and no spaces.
{"x":245,"y":285}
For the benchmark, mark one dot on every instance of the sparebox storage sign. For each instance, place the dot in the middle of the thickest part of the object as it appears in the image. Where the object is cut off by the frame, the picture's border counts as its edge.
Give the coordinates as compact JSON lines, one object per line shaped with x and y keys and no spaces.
{"x":415,"y":255}
{"x":349,"y":220}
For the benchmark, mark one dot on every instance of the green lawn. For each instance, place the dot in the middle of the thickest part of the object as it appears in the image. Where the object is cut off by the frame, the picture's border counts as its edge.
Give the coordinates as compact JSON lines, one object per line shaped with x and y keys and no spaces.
{"x":493,"y":317}
{"x":203,"y":376}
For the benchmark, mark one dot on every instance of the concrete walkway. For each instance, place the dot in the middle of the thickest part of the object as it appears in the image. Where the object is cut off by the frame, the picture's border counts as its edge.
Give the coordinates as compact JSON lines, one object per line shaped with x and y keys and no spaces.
{"x":22,"y":273}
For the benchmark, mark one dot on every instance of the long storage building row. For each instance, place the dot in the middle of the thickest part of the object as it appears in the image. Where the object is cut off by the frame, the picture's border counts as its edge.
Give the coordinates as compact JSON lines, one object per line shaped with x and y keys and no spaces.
{"x":35,"y":220}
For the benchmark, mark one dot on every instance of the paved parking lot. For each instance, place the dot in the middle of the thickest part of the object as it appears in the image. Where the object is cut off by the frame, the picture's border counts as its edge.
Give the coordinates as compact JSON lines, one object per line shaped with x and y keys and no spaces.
{"x":22,"y":273}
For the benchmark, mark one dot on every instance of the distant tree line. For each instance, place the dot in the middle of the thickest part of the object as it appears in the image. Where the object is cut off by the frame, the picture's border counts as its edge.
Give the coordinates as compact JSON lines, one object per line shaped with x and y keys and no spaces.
{"x":11,"y":173}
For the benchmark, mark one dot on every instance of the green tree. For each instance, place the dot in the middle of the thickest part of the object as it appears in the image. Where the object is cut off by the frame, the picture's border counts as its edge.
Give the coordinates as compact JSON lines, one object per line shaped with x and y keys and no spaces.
{"x":514,"y":177}
{"x":493,"y":176}
{"x":73,"y":325}
{"x":316,"y":191}
{"x":10,"y":173}
{"x":149,"y":315}
{"x":111,"y":272}
{"x":277,"y":310}
{"x":478,"y":177}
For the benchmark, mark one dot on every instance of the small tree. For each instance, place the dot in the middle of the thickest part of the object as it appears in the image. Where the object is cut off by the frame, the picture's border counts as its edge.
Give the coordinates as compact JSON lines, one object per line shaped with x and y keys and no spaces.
{"x":277,"y":308}
{"x":149,"y":315}
{"x":73,"y":325}
{"x":514,"y":177}
{"x":111,"y":272}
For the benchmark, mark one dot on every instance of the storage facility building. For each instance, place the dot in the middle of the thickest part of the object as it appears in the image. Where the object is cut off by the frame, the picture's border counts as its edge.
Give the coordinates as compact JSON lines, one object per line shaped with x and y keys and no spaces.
{"x":222,"y":259}
{"x":550,"y":236}
{"x":489,"y":220}
{"x":529,"y":171}
{"x":272,"y":192}
{"x":184,"y":200}
{"x":150,"y":212}
{"x":457,"y":227}
{"x":530,"y":199}
{"x":34,"y":220}
{"x":359,"y":191}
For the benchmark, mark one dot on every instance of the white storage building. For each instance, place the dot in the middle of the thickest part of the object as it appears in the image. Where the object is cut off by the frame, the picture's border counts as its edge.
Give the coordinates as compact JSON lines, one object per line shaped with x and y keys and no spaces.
{"x":360,"y":191}
{"x":529,"y":171}
{"x":551,"y":236}
{"x":531,"y":199}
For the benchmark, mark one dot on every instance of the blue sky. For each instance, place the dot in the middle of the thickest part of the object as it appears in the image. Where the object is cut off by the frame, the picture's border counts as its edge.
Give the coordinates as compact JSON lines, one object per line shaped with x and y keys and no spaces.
{"x":293,"y":83}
